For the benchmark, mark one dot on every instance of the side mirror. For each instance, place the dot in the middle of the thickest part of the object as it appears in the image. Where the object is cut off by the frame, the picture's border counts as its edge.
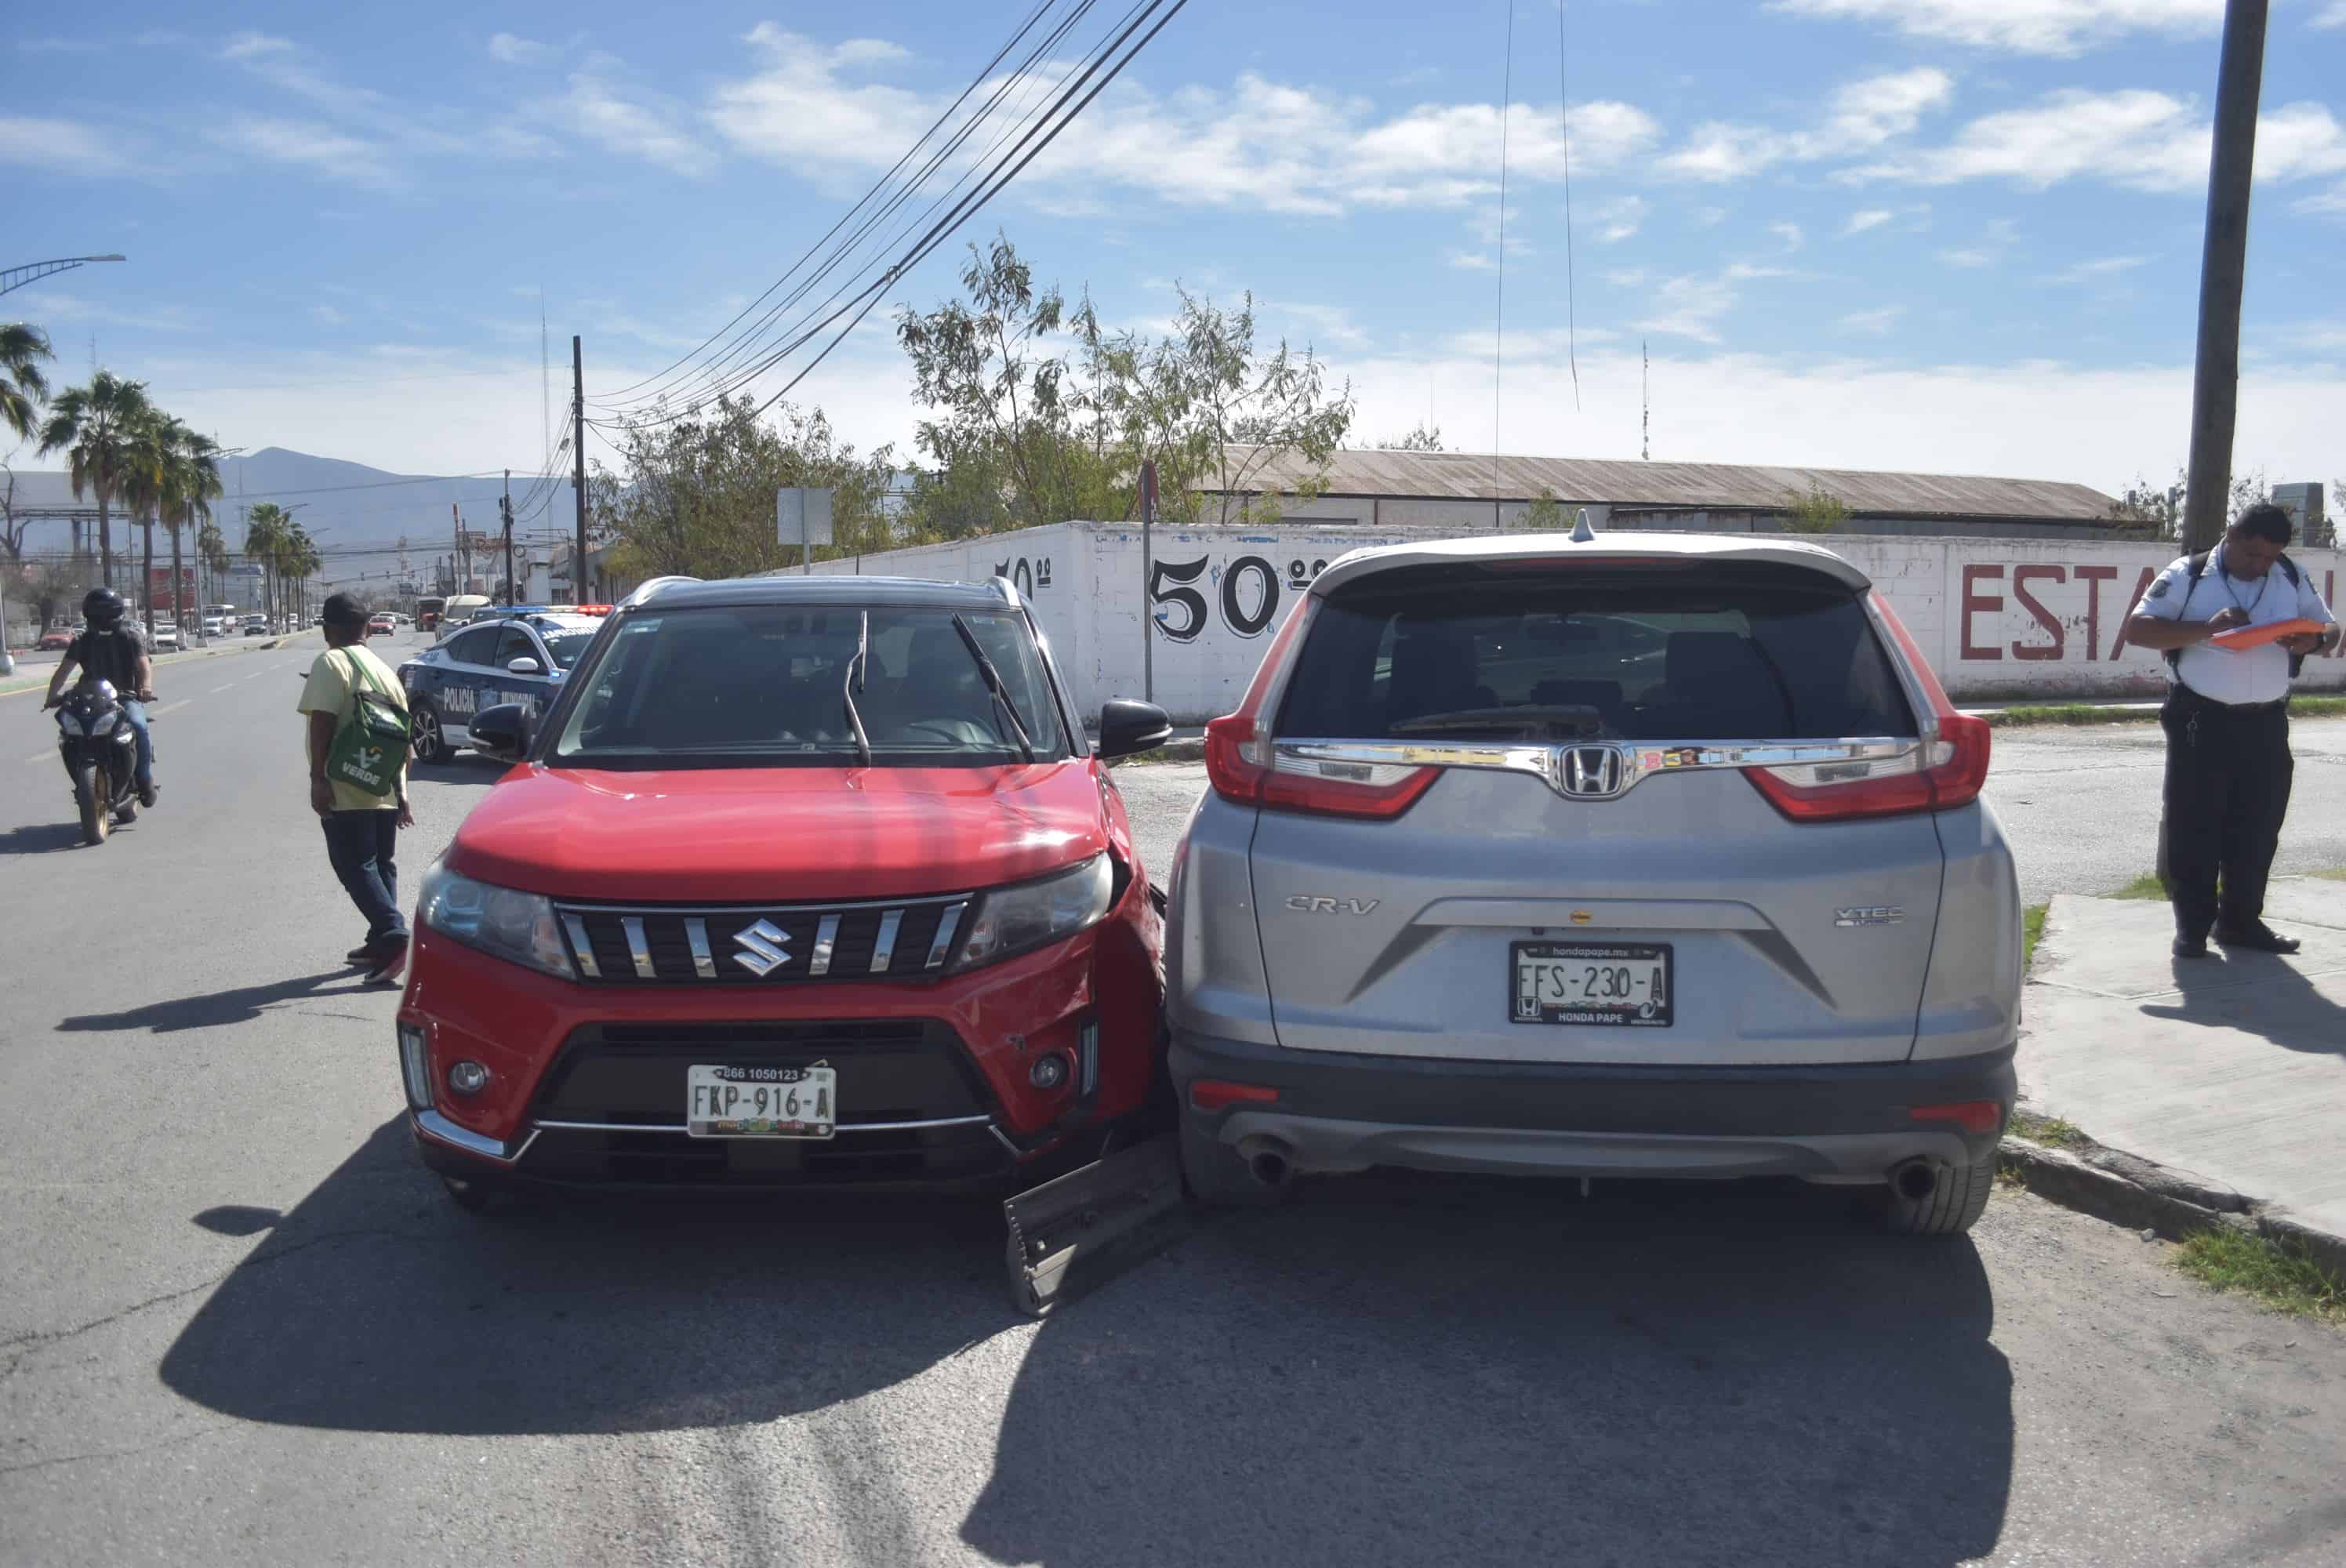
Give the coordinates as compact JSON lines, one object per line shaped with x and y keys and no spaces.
{"x":525,"y":665}
{"x":502,"y":732}
{"x":1128,"y":728}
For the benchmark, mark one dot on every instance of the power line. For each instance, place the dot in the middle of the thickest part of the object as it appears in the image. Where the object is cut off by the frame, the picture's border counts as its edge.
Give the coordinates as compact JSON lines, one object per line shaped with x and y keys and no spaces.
{"x":1499,"y":328}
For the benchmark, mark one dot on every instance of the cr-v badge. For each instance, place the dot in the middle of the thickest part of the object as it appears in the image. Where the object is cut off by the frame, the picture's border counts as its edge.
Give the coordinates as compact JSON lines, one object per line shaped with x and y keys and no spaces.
{"x":1311,"y":903}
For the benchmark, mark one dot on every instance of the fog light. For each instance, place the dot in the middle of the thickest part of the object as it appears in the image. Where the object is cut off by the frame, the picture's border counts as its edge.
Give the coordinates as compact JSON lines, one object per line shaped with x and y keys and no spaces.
{"x":468,"y":1077}
{"x":415,"y":1065}
{"x":1048,"y":1072}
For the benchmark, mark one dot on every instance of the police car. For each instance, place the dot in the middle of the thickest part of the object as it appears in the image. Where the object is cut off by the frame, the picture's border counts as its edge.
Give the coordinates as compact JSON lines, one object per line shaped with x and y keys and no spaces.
{"x":504,"y":656}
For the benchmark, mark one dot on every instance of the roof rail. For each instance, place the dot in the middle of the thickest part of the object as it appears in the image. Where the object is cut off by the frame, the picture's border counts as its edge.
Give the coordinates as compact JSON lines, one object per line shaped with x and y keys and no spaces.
{"x":1008,"y":589}
{"x":651,"y":585}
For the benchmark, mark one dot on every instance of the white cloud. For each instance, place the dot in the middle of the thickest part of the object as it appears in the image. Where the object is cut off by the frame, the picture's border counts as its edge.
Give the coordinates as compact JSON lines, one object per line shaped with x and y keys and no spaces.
{"x":1858,"y":222}
{"x":1863,"y":116}
{"x":1870,"y":323}
{"x":2024,"y":26}
{"x":1332,"y":323}
{"x":1619,"y":219}
{"x":306,"y":144}
{"x":50,"y":305}
{"x":1260,"y":144}
{"x":326,"y":316}
{"x":2099,"y":268}
{"x":1692,"y":305}
{"x":517,"y":51}
{"x":1789,"y":233}
{"x":1469,"y":260}
{"x":2331,"y":202}
{"x":2333,"y":16}
{"x":66,"y":147}
{"x":1988,"y":249}
{"x":2134,"y":137}
{"x":599,"y":111}
{"x":254,"y":46}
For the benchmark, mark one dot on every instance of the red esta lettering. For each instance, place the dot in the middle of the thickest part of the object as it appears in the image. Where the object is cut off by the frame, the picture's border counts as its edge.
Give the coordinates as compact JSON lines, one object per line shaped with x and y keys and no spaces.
{"x":1974,"y":603}
{"x":2021,"y":577}
{"x":2142,"y":586}
{"x":2094,"y":577}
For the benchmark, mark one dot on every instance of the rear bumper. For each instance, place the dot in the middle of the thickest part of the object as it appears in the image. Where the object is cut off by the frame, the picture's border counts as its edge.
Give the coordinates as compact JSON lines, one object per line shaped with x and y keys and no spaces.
{"x":1338,"y":1112}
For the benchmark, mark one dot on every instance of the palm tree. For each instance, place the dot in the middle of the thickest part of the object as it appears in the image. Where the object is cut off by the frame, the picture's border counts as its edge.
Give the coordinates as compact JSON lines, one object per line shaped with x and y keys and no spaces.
{"x":147,"y":461}
{"x":298,"y":560}
{"x":99,"y":423}
{"x":191,"y":481}
{"x":21,"y":384}
{"x":212,"y":554}
{"x":265,"y":531}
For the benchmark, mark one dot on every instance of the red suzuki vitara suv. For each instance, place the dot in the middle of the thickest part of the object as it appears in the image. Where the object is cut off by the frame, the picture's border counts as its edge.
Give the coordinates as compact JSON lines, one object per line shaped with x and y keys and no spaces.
{"x":800,"y":881}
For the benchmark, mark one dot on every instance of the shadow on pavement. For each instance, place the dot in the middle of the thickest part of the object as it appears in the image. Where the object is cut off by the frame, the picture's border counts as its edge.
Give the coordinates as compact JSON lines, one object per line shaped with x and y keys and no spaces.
{"x":241,"y":1005}
{"x":40,"y":837}
{"x":1485,"y":1373}
{"x":2258,"y":993}
{"x":465,"y":767}
{"x":375,"y":1305}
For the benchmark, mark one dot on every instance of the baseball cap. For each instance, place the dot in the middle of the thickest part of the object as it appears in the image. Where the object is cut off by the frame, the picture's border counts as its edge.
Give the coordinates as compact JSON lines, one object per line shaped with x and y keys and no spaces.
{"x":345,"y":610}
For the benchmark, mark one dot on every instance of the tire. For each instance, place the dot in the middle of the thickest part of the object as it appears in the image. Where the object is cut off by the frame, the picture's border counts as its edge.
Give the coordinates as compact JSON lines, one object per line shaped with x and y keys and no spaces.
{"x":429,"y":743}
{"x":470,"y":1194}
{"x":1954,"y":1206}
{"x":91,"y":803}
{"x":1215,"y":1175}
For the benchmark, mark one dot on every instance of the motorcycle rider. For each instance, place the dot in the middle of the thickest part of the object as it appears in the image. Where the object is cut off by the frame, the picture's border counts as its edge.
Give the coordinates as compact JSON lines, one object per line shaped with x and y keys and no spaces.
{"x":111,"y":649}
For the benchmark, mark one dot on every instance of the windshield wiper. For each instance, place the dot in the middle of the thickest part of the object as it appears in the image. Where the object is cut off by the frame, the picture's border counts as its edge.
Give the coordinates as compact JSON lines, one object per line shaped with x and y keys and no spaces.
{"x":854,"y":681}
{"x":993,"y":678}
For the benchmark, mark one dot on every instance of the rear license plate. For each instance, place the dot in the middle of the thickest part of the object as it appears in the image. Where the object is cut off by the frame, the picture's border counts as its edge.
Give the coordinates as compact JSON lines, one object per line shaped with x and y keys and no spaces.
{"x":1616,"y":983}
{"x":760,"y":1101}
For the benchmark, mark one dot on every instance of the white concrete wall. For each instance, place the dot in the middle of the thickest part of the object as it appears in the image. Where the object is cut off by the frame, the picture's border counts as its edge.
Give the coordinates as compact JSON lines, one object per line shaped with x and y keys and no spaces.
{"x":1996,"y":618}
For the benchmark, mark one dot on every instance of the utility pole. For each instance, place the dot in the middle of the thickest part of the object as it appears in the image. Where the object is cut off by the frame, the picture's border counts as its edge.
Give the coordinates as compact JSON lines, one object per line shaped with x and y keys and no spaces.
{"x":579,"y":470}
{"x":2223,"y":273}
{"x":505,"y":510}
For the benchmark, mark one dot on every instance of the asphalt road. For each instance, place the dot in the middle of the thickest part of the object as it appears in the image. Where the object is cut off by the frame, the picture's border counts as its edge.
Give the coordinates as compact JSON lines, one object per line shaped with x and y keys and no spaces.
{"x":237,"y":1324}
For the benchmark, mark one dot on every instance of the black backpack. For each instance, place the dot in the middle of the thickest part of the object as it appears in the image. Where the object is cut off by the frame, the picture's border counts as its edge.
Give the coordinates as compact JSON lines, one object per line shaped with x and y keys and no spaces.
{"x":2191,"y":574}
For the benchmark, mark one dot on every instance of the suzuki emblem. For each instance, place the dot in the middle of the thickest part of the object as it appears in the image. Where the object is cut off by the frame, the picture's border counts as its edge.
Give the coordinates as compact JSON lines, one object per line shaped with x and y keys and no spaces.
{"x":765,"y":948}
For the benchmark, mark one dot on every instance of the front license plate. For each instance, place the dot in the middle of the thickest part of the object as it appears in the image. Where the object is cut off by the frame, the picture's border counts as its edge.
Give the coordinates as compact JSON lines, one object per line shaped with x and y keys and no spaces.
{"x":1618,"y":983}
{"x":760,"y":1101}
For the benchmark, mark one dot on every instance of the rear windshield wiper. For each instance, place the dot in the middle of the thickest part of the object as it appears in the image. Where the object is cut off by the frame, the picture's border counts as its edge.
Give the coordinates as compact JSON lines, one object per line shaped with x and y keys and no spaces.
{"x":854,"y":682}
{"x":993,"y":678}
{"x":1569,"y":721}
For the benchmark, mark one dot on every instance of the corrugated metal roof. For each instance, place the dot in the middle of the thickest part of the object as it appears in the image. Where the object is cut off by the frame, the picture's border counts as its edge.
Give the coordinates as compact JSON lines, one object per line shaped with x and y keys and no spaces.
{"x":1465,"y":475}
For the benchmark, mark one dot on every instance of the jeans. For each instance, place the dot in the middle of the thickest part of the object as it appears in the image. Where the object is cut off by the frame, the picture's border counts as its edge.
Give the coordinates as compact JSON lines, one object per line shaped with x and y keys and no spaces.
{"x":362,"y":846}
{"x":135,"y":713}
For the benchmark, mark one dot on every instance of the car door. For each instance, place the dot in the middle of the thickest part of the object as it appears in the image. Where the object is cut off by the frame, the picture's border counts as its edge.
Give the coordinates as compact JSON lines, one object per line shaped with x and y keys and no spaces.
{"x":461,"y":676}
{"x":516,"y":641}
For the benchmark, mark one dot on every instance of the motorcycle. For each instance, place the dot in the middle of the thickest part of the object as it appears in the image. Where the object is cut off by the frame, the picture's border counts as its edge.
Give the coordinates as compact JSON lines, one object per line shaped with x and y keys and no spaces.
{"x":101,"y":756}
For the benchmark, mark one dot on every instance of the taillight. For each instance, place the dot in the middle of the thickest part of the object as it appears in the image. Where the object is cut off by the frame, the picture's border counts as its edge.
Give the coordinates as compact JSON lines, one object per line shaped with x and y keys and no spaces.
{"x":1938,"y":776}
{"x":1971,"y":1115}
{"x":1243,"y":767}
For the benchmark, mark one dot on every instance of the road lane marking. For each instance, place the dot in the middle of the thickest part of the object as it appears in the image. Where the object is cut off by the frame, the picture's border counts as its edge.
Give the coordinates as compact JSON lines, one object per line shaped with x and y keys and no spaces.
{"x":153,"y":713}
{"x":218,"y":689}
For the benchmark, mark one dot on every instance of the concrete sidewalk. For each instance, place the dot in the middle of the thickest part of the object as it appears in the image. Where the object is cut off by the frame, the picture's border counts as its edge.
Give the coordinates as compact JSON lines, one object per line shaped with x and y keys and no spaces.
{"x":2230,"y":1070}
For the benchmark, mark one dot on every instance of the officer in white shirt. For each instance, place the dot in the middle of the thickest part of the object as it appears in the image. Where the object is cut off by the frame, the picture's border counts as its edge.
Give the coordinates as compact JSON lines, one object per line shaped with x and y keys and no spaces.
{"x":2227,"y":723}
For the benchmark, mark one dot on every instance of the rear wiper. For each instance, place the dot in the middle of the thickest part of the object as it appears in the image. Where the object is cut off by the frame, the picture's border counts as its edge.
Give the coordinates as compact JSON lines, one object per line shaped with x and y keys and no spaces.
{"x":854,"y":682}
{"x":1568,"y":719}
{"x":993,"y":678}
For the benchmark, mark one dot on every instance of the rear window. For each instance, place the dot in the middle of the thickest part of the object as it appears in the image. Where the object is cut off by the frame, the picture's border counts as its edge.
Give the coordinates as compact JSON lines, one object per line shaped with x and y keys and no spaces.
{"x":1742,"y":653}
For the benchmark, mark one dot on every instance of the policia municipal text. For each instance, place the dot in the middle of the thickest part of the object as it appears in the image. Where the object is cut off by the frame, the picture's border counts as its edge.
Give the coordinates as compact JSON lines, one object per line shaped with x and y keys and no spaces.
{"x":2227,"y":723}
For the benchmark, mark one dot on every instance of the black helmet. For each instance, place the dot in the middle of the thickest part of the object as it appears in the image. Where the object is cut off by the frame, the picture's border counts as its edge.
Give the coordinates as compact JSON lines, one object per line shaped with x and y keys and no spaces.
{"x":102,"y":608}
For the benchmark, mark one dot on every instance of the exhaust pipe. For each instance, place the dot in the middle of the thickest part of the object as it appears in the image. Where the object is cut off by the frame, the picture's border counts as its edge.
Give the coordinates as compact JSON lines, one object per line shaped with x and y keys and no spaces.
{"x":1268,"y":1160}
{"x":1916,"y":1180}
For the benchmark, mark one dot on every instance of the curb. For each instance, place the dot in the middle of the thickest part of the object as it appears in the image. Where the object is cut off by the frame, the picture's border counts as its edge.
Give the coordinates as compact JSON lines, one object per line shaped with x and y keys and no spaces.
{"x":2135,"y":1192}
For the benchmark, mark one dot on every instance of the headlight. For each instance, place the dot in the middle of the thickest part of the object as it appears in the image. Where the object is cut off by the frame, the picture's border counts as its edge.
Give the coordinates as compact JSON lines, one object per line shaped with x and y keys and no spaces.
{"x":105,"y":723}
{"x":1013,"y":919}
{"x":512,"y":925}
{"x":69,"y":721}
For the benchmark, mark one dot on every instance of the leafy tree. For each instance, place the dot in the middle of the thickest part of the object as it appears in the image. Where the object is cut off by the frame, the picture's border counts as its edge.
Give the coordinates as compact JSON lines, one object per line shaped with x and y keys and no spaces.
{"x":97,"y":426}
{"x":697,"y":494}
{"x":22,"y":385}
{"x":1024,"y":434}
{"x":1818,"y":512}
{"x":1422,"y":438}
{"x":268,"y":532}
{"x":2148,"y":511}
{"x":1546,"y":514}
{"x":191,"y":482}
{"x":212,"y":556}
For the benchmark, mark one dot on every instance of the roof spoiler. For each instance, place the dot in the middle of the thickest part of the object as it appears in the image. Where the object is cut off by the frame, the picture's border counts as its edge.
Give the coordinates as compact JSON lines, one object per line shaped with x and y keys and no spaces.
{"x":645,"y":589}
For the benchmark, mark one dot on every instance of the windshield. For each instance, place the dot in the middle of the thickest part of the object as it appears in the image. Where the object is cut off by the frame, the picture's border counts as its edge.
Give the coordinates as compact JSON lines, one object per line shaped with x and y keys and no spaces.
{"x":764,"y":685}
{"x":1746,"y":654}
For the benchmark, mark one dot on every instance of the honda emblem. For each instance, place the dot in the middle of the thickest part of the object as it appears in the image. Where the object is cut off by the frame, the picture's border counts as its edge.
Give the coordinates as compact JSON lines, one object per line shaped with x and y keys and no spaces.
{"x":1590,"y":772}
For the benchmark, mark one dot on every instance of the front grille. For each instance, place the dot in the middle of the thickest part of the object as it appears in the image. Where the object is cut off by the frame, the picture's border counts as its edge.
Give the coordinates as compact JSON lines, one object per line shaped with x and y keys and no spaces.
{"x":762,"y":944}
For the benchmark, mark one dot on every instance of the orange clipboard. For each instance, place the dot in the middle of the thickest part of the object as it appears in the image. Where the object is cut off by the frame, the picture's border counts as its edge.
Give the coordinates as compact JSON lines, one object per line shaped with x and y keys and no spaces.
{"x":2240,"y":637}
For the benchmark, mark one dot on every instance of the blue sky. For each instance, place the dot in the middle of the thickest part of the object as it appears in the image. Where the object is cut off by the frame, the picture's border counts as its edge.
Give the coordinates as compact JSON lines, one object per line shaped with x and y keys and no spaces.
{"x":1950,"y":234}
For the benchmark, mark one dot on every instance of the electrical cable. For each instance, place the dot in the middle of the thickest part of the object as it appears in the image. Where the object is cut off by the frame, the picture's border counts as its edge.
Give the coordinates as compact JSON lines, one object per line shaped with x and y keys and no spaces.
{"x":1499,"y":328}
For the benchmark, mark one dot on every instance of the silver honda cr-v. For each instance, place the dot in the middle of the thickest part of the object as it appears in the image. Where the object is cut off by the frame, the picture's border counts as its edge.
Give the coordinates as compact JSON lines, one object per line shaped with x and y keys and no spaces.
{"x":1648,"y":856}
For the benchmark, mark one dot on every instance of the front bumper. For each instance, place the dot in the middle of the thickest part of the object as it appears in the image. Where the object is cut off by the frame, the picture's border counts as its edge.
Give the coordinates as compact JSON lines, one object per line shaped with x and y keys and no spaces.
{"x":586,"y":1081}
{"x":1346,"y":1112}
